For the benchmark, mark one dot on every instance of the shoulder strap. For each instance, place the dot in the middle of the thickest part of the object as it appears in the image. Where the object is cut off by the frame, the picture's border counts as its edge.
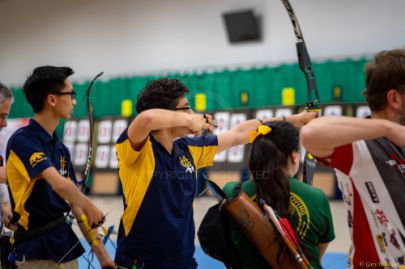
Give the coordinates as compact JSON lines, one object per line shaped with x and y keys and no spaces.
{"x":237,"y":189}
{"x":216,"y":190}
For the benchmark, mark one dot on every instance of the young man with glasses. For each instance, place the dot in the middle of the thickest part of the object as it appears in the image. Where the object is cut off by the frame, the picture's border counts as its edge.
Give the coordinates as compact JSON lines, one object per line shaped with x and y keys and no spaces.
{"x":158,"y":165}
{"x":43,"y":182}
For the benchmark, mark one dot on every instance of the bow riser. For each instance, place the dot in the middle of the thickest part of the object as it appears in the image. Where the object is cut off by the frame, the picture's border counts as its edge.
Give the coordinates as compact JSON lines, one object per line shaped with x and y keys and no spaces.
{"x":306,"y":67}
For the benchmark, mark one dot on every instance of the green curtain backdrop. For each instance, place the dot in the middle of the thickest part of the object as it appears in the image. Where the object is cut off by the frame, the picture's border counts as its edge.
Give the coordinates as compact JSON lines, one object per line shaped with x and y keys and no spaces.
{"x":222,"y":89}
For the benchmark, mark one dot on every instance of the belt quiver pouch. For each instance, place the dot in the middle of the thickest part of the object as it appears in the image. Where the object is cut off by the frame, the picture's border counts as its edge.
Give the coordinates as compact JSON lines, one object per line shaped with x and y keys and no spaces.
{"x":259,"y":231}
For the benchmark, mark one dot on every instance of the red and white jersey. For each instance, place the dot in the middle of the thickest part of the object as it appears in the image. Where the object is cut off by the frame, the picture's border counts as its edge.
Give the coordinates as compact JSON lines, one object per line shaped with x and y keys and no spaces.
{"x":371,"y":176}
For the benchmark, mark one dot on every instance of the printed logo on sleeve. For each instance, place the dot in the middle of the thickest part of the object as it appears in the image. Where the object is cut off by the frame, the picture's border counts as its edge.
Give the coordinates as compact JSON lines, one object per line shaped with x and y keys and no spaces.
{"x":36,"y":158}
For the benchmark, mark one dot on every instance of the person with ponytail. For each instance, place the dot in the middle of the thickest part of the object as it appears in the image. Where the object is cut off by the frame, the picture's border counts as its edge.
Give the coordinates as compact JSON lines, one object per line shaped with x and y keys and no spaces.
{"x":273,"y":161}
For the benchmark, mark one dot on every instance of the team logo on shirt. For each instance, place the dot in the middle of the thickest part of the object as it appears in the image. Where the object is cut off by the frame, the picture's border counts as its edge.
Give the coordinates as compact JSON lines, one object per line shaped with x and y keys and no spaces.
{"x":349,"y":219}
{"x":187,"y":164}
{"x":381,"y":217}
{"x":398,"y":162}
{"x":63,"y":170}
{"x":299,"y":211}
{"x":372,"y":192}
{"x":382,"y":241}
{"x":394,"y":240}
{"x":36,"y":158}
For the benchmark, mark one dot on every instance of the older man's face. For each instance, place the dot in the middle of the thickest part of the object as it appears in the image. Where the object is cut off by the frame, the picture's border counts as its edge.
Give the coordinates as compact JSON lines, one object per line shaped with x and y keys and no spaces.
{"x":4,"y":110}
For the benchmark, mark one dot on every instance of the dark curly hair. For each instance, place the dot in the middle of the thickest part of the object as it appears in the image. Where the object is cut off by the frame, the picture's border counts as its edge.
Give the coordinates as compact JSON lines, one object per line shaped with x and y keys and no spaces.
{"x":162,"y":93}
{"x":43,"y":81}
{"x":386,"y":72}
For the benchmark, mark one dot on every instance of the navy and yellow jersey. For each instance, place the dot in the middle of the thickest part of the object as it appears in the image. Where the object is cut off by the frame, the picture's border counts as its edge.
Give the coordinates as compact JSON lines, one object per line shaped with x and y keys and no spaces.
{"x":31,"y":150}
{"x":157,"y":226}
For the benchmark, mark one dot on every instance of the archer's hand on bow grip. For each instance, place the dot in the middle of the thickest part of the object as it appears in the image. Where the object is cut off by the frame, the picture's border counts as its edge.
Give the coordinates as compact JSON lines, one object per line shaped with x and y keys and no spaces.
{"x":95,"y":216}
{"x":314,"y":106}
{"x":299,"y":120}
{"x":199,"y":122}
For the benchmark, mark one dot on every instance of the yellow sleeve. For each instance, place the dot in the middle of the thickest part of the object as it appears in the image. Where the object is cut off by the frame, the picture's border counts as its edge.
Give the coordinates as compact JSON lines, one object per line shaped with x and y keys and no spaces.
{"x":126,"y":154}
{"x":203,"y":150}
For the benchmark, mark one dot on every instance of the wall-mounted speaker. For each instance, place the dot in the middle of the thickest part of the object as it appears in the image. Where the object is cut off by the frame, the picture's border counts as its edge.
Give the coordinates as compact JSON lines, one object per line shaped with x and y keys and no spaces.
{"x":242,"y":26}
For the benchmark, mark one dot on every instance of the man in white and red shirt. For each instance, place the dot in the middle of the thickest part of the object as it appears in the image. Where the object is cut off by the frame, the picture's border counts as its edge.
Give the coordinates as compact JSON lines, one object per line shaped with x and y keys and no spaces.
{"x":369,"y":159}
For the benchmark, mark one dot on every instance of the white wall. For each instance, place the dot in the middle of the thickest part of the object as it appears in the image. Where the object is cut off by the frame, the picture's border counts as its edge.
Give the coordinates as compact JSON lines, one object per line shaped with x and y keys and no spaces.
{"x":127,"y":37}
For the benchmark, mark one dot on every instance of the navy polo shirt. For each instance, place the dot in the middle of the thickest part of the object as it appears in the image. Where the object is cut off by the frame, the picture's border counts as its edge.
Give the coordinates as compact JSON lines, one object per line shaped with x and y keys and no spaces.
{"x":31,"y":150}
{"x":157,"y":227}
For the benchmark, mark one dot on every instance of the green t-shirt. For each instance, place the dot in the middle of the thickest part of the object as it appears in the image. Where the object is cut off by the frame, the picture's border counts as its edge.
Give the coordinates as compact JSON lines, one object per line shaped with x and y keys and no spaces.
{"x":311,"y":219}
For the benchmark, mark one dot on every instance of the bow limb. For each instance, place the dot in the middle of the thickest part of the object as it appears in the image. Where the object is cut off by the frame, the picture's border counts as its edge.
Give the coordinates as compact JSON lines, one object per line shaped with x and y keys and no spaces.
{"x":313,"y":105}
{"x":86,"y":171}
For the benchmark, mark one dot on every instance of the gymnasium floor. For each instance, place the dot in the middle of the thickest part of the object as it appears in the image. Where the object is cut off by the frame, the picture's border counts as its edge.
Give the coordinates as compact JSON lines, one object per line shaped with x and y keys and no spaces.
{"x":335,"y":258}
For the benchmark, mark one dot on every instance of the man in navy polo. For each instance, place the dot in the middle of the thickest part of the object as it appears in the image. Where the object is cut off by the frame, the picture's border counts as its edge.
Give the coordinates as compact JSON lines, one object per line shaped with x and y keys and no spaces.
{"x":42,"y":179}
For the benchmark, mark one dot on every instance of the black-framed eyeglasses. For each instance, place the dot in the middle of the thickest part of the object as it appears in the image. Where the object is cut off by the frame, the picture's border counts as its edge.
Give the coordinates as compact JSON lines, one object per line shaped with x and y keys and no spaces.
{"x":72,"y":94}
{"x":183,"y":108}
